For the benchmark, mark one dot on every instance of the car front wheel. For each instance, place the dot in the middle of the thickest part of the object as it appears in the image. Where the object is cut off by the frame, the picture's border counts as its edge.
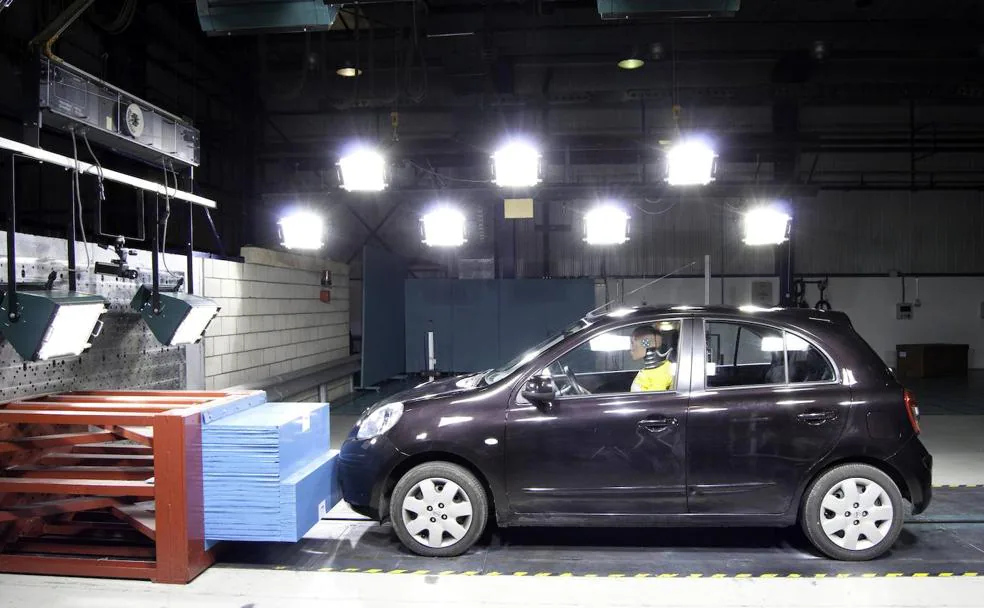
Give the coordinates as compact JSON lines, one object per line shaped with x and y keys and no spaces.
{"x":853,"y":512}
{"x":438,"y":509}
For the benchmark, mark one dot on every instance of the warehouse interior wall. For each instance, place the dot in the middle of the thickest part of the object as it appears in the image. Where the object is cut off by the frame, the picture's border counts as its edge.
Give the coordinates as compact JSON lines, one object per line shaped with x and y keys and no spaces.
{"x":273,"y":319}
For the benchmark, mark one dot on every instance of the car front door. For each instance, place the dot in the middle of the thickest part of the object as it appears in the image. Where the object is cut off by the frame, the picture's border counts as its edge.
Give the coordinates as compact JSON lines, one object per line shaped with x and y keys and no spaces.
{"x":766,"y":407}
{"x":598,"y":448}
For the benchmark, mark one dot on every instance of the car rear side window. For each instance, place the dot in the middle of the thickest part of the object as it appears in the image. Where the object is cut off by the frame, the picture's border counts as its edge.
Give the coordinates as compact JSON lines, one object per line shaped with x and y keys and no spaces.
{"x":805,"y":361}
{"x":748,"y":354}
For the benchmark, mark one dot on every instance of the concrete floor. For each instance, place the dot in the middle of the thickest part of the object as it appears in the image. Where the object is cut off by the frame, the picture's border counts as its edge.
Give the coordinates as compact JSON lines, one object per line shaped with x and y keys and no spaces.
{"x":956,"y":441}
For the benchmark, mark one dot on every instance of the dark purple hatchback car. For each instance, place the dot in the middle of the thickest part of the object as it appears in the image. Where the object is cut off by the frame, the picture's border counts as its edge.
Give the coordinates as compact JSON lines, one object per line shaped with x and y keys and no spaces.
{"x":756,"y":418}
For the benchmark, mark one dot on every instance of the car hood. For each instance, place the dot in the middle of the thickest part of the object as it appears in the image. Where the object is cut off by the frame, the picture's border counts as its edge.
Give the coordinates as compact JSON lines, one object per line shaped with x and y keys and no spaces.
{"x":438,"y":388}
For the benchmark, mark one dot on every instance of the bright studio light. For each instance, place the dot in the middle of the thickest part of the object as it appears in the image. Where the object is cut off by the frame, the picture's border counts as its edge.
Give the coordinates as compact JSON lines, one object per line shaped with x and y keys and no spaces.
{"x":606,"y":225}
{"x":444,"y":227}
{"x":516,"y":165}
{"x":302,"y":230}
{"x":690,"y":163}
{"x":766,"y":226}
{"x":363,"y":170}
{"x":51,"y":324}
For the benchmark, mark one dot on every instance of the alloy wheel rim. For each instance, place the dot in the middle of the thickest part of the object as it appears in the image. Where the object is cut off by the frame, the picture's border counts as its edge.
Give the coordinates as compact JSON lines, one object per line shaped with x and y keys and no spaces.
{"x":856,"y":514}
{"x":437,"y":512}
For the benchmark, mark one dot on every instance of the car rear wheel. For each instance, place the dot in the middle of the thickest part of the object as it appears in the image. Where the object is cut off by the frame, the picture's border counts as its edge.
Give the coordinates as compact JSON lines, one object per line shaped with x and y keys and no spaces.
{"x":438,"y":509}
{"x":853,"y":512}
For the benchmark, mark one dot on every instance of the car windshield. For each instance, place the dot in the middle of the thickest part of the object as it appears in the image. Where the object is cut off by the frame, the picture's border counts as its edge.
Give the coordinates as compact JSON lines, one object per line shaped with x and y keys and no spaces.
{"x":524,"y":357}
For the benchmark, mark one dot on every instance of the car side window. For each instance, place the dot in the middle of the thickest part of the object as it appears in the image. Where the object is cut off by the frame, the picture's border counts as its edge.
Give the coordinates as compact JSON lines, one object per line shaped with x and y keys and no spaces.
{"x":639,"y":357}
{"x":743,"y":354}
{"x":806,"y":363}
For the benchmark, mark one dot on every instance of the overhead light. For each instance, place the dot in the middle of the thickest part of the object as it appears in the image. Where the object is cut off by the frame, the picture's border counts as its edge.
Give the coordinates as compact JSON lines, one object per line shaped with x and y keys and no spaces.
{"x":443,"y":227}
{"x":766,"y":226}
{"x":690,"y":163}
{"x":181,"y":319}
{"x":610,"y":343}
{"x":48,"y":324}
{"x":606,"y":225}
{"x":347,"y":70}
{"x":634,"y":61}
{"x":516,"y":164}
{"x":302,"y":230}
{"x":363,"y":169}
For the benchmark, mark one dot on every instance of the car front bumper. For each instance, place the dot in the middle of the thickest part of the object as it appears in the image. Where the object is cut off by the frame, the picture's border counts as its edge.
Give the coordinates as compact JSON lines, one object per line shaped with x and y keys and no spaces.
{"x":362,"y":469}
{"x":915,"y":463}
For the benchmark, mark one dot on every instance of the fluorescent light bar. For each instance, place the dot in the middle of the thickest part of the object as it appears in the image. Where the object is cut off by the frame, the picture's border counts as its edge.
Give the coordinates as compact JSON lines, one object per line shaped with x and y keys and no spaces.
{"x":444,"y":227}
{"x":606,"y":225}
{"x":52,"y":324}
{"x":113,"y":176}
{"x":363,"y":170}
{"x":766,"y":226}
{"x":690,"y":163}
{"x":302,"y":230}
{"x":516,"y":165}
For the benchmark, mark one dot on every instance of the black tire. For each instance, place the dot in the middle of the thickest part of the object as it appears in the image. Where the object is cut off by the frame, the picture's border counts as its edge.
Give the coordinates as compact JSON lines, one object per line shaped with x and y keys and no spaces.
{"x":810,"y":516}
{"x":471,"y":487}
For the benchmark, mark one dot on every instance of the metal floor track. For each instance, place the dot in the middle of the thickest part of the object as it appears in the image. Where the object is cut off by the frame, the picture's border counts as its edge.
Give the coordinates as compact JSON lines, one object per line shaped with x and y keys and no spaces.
{"x":947,"y":540}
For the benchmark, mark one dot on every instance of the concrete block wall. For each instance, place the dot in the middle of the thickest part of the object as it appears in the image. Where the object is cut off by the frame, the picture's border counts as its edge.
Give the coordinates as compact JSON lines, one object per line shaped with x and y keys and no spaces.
{"x":272,"y":319}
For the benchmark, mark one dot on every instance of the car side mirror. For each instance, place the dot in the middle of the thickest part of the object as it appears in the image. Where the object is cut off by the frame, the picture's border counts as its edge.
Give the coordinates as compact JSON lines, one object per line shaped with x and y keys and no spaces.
{"x":539,"y":390}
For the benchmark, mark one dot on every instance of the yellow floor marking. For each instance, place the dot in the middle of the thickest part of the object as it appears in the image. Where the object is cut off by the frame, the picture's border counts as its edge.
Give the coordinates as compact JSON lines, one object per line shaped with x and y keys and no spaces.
{"x":819,"y":576}
{"x":542,"y":574}
{"x":642,"y":575}
{"x":351,"y":570}
{"x":743,"y":575}
{"x":844,"y":575}
{"x":397,"y":571}
{"x":566,"y":574}
{"x":695,"y":575}
{"x":616,"y":575}
{"x":373,"y":571}
{"x":493,"y":574}
{"x":326,"y":569}
{"x":280,"y":567}
{"x":670,"y":575}
{"x":920,"y":574}
{"x":970,"y":574}
{"x":794,"y":575}
{"x":589,"y":575}
{"x":447,"y":572}
{"x":469,"y":573}
{"x":768,"y":575}
{"x":719,"y":576}
{"x":520,"y":573}
{"x":945,"y":574}
{"x":894,"y":574}
{"x":869,"y":575}
{"x":421,"y":572}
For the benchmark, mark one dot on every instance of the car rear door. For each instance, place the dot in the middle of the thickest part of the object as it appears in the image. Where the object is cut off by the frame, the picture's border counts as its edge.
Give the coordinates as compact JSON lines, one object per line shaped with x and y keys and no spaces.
{"x":751,"y":442}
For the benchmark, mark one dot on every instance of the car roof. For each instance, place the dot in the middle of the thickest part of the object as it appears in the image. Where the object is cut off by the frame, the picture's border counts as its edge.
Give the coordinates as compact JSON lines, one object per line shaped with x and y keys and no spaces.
{"x":794,"y":316}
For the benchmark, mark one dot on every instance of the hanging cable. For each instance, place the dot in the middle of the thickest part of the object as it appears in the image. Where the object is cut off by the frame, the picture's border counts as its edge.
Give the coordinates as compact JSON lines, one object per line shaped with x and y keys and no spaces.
{"x":447,"y":177}
{"x":661,"y":212}
{"x":167,"y":216}
{"x":77,"y":203}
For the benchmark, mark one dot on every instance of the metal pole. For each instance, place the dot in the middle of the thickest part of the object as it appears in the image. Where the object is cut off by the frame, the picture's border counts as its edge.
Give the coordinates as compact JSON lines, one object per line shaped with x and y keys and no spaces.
{"x":11,"y":257}
{"x":190,"y":249}
{"x":154,"y":262}
{"x":707,"y":280}
{"x":72,"y":278}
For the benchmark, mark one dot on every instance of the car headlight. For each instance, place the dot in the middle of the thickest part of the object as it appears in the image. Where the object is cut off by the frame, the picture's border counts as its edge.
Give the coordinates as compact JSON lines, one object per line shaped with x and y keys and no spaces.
{"x":379,"y":420}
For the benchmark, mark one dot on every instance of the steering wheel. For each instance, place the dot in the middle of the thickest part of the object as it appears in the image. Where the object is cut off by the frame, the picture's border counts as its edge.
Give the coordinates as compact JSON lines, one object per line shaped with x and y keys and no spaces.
{"x":572,"y":381}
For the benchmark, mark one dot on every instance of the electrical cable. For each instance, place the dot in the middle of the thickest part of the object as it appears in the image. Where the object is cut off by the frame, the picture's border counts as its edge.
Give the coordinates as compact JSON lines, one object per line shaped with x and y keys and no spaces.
{"x":448,"y":177}
{"x":167,"y":216}
{"x":647,"y":212}
{"x":77,"y":203}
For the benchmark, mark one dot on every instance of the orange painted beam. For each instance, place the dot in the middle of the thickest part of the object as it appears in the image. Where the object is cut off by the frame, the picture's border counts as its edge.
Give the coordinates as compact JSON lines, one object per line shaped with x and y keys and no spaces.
{"x":43,"y":442}
{"x":90,"y":487}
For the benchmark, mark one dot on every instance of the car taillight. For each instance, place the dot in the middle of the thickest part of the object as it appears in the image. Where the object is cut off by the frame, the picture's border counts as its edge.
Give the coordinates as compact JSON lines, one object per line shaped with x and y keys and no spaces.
{"x":912,"y":409}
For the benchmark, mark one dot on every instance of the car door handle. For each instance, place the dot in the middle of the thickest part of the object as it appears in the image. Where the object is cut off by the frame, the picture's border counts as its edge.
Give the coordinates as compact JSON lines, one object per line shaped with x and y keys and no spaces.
{"x":817,"y":417}
{"x":655,"y":425}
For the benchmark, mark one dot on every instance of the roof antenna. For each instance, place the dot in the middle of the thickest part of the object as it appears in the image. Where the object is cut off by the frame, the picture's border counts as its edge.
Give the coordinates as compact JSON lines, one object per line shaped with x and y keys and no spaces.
{"x":654,"y":281}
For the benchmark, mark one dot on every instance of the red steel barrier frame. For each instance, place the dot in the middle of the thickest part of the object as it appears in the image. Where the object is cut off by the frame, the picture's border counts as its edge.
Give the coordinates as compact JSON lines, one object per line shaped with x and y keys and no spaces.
{"x":87,"y":478}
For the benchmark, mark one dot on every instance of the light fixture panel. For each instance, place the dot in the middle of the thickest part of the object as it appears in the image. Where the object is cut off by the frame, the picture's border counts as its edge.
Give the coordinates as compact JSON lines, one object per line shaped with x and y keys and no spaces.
{"x":606,"y":225}
{"x":363,"y":170}
{"x":182,"y":318}
{"x":302,"y":230}
{"x":690,"y":163}
{"x":516,"y":164}
{"x":444,"y":227}
{"x":766,"y":226}
{"x":51,"y":324}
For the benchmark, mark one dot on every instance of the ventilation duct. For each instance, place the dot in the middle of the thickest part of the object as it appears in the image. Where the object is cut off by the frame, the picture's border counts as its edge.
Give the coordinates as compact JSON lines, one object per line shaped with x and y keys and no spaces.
{"x":625,"y":9}
{"x":264,"y":16}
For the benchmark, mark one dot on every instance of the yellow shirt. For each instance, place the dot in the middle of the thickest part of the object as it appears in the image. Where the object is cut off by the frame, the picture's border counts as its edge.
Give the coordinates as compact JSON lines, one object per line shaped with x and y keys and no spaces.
{"x":657,"y":379}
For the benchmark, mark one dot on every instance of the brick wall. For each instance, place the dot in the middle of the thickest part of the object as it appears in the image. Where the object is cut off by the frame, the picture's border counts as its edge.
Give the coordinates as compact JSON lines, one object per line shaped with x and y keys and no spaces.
{"x":272,"y":320}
